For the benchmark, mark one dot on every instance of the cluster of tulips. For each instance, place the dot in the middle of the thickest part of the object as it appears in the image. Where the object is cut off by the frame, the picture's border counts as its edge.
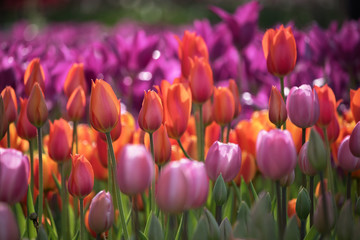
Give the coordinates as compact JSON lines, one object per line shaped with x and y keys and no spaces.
{"x":185,"y":169}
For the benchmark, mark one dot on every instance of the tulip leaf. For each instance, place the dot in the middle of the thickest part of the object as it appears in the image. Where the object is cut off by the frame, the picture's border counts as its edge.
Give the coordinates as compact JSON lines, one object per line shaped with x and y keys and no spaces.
{"x":230,"y":203}
{"x":58,"y":185}
{"x":72,"y":222}
{"x":214,"y":232}
{"x":179,"y":231}
{"x":292,"y":230}
{"x":312,"y":234}
{"x":191,"y":223}
{"x":76,"y":235}
{"x":142,"y":236}
{"x":53,"y":226}
{"x":202,"y":230}
{"x":41,"y":234}
{"x":20,"y":218}
{"x":148,"y":223}
{"x":245,"y":194}
{"x":31,"y":231}
{"x":155,"y":230}
{"x":225,"y":230}
{"x":241,"y":225}
{"x":253,"y":191}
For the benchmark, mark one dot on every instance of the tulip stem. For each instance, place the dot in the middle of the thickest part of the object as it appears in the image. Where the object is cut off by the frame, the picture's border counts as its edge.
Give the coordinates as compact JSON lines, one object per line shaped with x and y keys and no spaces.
{"x":183,"y":150}
{"x":218,"y":214}
{"x":202,"y":142}
{"x":82,"y":221}
{"x":228,"y":132}
{"x":303,"y":229}
{"x":279,"y":217}
{"x":222,"y":133}
{"x":41,"y":184}
{"x":303,"y":176}
{"x":119,"y":201}
{"x":323,"y":195}
{"x":180,"y":228}
{"x":135,"y":215}
{"x":284,"y":207}
{"x":152,"y":190}
{"x":329,"y":167}
{"x":311,"y":191}
{"x":283,"y":96}
{"x":31,"y":152}
{"x":348,"y":186}
{"x":110,"y":188}
{"x":8,"y":137}
{"x":64,"y":213}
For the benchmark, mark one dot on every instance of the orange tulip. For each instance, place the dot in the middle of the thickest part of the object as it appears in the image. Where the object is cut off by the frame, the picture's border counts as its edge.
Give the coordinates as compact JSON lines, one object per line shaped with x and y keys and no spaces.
{"x":116,"y":131}
{"x":24,"y":128}
{"x":37,"y":111}
{"x":81,"y":179}
{"x":355,"y":104}
{"x":235,"y":91}
{"x":75,"y":106}
{"x":248,"y":168}
{"x":201,"y":80}
{"x":190,"y":46}
{"x":207,"y":113}
{"x":277,"y":108}
{"x":212,"y":134}
{"x":34,"y":74}
{"x":10,"y":103}
{"x":318,"y":188}
{"x":291,"y":209}
{"x":327,"y":103}
{"x":223,"y":106}
{"x":162,"y":145}
{"x":104,"y":107}
{"x":190,"y":145}
{"x":246,"y":132}
{"x":60,"y":139}
{"x":332,"y":129}
{"x":74,"y":79}
{"x":87,"y":149}
{"x":15,"y":141}
{"x":49,"y":167}
{"x":3,"y":119}
{"x":296,"y":134}
{"x":151,"y":112}
{"x":279,"y":48}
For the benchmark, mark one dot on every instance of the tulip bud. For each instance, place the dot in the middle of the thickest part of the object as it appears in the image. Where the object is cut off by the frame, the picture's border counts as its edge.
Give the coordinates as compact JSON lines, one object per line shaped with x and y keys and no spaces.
{"x":223,"y":106}
{"x":24,"y":128}
{"x":10,"y":103}
{"x":34,"y":74}
{"x":81,"y":179}
{"x":101,"y":212}
{"x":346,"y":159}
{"x":277,"y":109}
{"x":103,"y":119}
{"x":291,"y":207}
{"x":201,"y":80}
{"x":226,"y":230}
{"x":303,"y":161}
{"x":37,"y":111}
{"x":74,"y":79}
{"x":8,"y":225}
{"x":316,"y":151}
{"x":248,"y":168}
{"x":151,"y":112}
{"x":235,"y":91}
{"x":135,"y":169}
{"x":60,"y":139}
{"x":324,"y":226}
{"x":355,"y":141}
{"x":224,"y":159}
{"x":219,"y":192}
{"x":75,"y":106}
{"x":288,"y":179}
{"x":303,"y":204}
{"x":14,"y":174}
{"x":345,"y":222}
{"x":115,"y":133}
{"x":3,"y":119}
{"x":213,"y":227}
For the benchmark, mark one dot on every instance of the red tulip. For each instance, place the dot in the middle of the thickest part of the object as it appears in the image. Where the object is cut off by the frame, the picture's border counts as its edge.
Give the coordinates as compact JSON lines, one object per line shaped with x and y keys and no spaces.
{"x":151,"y":112}
{"x":327,"y":103}
{"x":60,"y":140}
{"x":37,"y":111}
{"x":10,"y":103}
{"x":81,"y":179}
{"x":201,"y":80}
{"x":277,"y":109}
{"x":355,"y":104}
{"x":24,"y":128}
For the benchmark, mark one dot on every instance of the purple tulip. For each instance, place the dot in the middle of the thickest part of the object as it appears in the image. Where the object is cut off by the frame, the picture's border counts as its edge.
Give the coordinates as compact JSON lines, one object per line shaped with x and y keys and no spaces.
{"x":303,"y":106}
{"x":275,"y":153}
{"x":224,"y":158}
{"x":101,"y":212}
{"x":8,"y":226}
{"x":346,"y":159}
{"x":355,"y":140}
{"x":304,"y":164}
{"x":14,"y":174}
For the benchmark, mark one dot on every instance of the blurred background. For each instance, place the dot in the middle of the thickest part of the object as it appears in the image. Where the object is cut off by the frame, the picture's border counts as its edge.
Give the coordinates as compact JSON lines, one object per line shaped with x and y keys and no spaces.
{"x":109,"y":12}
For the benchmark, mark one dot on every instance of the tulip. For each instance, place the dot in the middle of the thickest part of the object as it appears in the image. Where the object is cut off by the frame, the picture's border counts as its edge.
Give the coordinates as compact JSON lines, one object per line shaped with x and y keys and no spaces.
{"x":10,"y":103}
{"x":8,"y":225}
{"x":224,"y":158}
{"x":49,"y":167}
{"x":346,"y":159}
{"x":34,"y":74}
{"x":223,"y":106}
{"x":201,"y":80}
{"x":327,"y":105}
{"x":90,"y":152}
{"x":279,"y":48}
{"x":275,"y":153}
{"x":37,"y":111}
{"x":162,"y":146}
{"x":332,"y":129}
{"x":59,"y":146}
{"x":303,"y":106}
{"x":235,"y":91}
{"x":135,"y":169}
{"x":172,"y":188}
{"x":14,"y":175}
{"x":74,"y":79}
{"x":304,"y":163}
{"x":248,"y":168}
{"x":322,"y":224}
{"x":291,"y":208}
{"x":16,"y":142}
{"x":75,"y":106}
{"x":3,"y":119}
{"x":287,"y":180}
{"x":81,"y":179}
{"x":277,"y":109}
{"x":151,"y":112}
{"x":355,"y":141}
{"x":206,"y":113}
{"x":246,"y":135}
{"x":355,"y":104}
{"x":190,"y":46}
{"x":24,"y":128}
{"x":101,"y":213}
{"x":116,"y":131}
{"x":104,"y":107}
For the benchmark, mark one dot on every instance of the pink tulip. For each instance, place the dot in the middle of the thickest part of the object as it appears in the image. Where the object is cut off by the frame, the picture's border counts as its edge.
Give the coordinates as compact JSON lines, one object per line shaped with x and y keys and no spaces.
{"x":303,"y":106}
{"x":197,"y":182}
{"x":14,"y":174}
{"x":8,"y":226}
{"x":347,"y":160}
{"x":355,"y":140}
{"x":304,"y":164}
{"x":101,"y":212}
{"x":172,"y":188}
{"x":224,"y":158}
{"x":275,"y":153}
{"x":135,"y":169}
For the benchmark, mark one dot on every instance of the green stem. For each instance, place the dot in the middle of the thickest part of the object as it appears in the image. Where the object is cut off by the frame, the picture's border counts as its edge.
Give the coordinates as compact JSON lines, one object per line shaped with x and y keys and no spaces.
{"x":302,"y":229}
{"x":152,"y":190}
{"x":279,"y":217}
{"x":31,"y":152}
{"x":202,"y":141}
{"x":8,"y":137}
{"x":283,"y":96}
{"x":183,"y":150}
{"x":218,"y":214}
{"x":323,"y":193}
{"x":180,"y":228}
{"x":237,"y":191}
{"x":348,"y":186}
{"x":284,"y":206}
{"x":329,"y":167}
{"x":135,"y":215}
{"x":64,"y":213}
{"x":41,"y":184}
{"x":119,"y":201}
{"x":311,"y":191}
{"x":228,"y":132}
{"x":73,"y":138}
{"x":222,"y":133}
{"x":303,"y":176}
{"x":82,"y":219}
{"x":110,"y":187}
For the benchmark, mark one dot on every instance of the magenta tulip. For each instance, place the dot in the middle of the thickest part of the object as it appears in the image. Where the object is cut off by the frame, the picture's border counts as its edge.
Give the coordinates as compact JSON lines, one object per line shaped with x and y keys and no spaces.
{"x":135,"y":169}
{"x":347,"y":160}
{"x":101,"y":212}
{"x":304,"y":163}
{"x":224,"y":158}
{"x":275,"y":153}
{"x":14,"y":174}
{"x":303,"y":106}
{"x":355,"y":141}
{"x":8,"y":226}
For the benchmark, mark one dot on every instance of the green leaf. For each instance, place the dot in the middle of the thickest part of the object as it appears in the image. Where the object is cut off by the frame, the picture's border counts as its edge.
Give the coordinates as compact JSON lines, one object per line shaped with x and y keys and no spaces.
{"x":202,"y":230}
{"x":214,"y":231}
{"x":58,"y":185}
{"x":245,"y":194}
{"x":292,"y":230}
{"x":312,"y":234}
{"x":20,"y":218}
{"x":72,"y":222}
{"x":155,"y":229}
{"x":241,"y":225}
{"x":225,"y":230}
{"x":76,"y":235}
{"x":192,"y":222}
{"x":49,"y":213}
{"x":253,"y":191}
{"x":147,"y":226}
{"x":31,"y":230}
{"x":41,"y":234}
{"x":142,"y":236}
